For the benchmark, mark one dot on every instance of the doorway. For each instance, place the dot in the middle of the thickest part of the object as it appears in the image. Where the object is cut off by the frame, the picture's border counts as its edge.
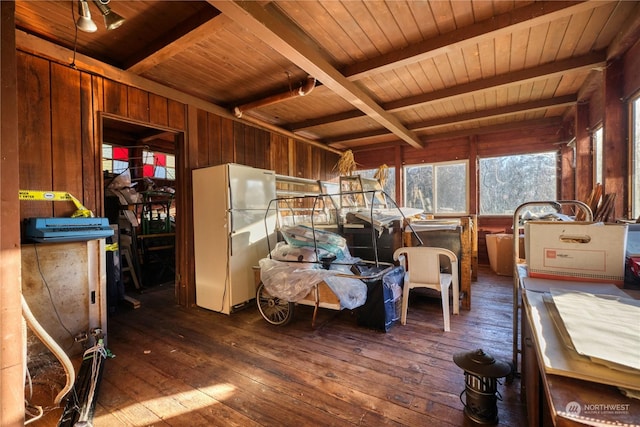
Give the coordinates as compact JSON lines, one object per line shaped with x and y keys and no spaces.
{"x":140,"y":181}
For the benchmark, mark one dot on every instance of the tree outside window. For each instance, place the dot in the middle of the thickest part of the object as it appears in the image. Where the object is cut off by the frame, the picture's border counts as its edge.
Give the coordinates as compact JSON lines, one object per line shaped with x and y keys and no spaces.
{"x":507,"y":182}
{"x":439,"y":188}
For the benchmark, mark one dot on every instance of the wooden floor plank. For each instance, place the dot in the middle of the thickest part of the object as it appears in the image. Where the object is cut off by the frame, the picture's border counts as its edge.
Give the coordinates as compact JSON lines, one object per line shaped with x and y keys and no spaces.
{"x":179,"y":366}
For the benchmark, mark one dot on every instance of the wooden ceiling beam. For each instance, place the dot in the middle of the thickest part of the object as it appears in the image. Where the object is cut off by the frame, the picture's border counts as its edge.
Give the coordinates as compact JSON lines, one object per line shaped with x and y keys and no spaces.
{"x":504,"y":127}
{"x":594,"y":60}
{"x":525,"y":107}
{"x":179,"y":39}
{"x":561,"y":101}
{"x":546,"y":71}
{"x":592,"y":83}
{"x":523,"y":17}
{"x":627,"y":36}
{"x":319,"y":121}
{"x":289,"y":41}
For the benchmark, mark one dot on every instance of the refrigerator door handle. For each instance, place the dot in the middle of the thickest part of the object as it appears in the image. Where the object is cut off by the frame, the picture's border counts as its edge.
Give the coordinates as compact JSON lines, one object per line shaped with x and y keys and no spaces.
{"x":231,"y":231}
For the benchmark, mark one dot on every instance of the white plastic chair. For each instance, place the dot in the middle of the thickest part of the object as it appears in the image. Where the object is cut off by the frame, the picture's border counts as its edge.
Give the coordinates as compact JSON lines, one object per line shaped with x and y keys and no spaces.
{"x":422,"y":265}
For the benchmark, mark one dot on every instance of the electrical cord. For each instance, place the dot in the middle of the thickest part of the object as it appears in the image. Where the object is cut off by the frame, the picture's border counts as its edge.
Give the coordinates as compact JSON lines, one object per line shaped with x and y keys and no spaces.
{"x":96,"y":352}
{"x":75,"y":38}
{"x":28,"y":414}
{"x":32,"y":416}
{"x":55,"y":309}
{"x":80,"y":405}
{"x":35,"y":326}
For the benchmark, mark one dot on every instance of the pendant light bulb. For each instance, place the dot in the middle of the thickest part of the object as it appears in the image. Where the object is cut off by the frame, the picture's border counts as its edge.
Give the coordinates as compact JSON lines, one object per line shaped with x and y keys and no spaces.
{"x":84,"y":22}
{"x":111,"y":19}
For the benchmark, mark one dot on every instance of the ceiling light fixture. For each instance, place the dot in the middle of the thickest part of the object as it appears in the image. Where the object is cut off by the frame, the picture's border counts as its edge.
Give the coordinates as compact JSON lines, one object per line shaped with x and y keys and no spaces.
{"x":111,"y":19}
{"x":84,"y":22}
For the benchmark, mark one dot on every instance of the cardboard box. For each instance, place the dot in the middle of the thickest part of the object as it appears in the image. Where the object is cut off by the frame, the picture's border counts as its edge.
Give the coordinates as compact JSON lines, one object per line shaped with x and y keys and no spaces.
{"x":500,"y":250}
{"x":592,"y":252}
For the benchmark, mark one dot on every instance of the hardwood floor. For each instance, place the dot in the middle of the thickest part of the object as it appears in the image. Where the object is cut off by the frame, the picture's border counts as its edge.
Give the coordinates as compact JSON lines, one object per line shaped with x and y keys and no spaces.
{"x":177,"y":366}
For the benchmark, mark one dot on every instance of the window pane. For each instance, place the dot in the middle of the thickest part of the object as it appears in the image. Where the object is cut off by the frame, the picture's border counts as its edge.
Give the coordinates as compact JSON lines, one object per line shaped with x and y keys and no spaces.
{"x":451,"y":188}
{"x":171,"y":173}
{"x":507,"y":182}
{"x":159,"y":159}
{"x":120,"y":166}
{"x":107,"y":151}
{"x":147,"y":157}
{"x":597,"y":150}
{"x":160,"y":172}
{"x":147,"y":171}
{"x":390,"y":183}
{"x":418,"y":187}
{"x":121,"y":153}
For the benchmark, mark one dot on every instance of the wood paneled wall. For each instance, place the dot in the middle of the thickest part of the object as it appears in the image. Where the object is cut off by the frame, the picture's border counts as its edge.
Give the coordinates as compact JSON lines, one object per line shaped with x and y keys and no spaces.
{"x":258,"y":148}
{"x":615,"y":150}
{"x":12,"y":343}
{"x":584,"y":157}
{"x":60,"y":139}
{"x":631,"y":66}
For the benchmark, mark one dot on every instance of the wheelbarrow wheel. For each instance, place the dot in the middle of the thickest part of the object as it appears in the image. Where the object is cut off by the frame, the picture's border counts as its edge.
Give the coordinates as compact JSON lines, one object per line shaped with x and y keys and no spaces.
{"x":274,"y":310}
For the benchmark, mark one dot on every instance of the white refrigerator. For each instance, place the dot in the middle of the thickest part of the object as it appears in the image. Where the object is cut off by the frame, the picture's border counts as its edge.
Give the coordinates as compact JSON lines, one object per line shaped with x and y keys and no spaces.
{"x":229,"y":206}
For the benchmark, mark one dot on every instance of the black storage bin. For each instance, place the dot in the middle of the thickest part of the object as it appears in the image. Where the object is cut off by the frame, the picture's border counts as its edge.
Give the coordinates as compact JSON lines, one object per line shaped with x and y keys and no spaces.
{"x":379,"y":311}
{"x":115,"y":285}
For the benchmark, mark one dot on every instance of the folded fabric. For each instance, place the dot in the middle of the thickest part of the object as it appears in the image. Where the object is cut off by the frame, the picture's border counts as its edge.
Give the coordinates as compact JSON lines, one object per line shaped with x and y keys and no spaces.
{"x":302,"y":235}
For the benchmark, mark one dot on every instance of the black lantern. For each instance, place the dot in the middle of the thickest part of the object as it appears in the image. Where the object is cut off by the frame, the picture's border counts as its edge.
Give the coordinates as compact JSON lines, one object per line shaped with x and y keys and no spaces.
{"x":481,"y":373}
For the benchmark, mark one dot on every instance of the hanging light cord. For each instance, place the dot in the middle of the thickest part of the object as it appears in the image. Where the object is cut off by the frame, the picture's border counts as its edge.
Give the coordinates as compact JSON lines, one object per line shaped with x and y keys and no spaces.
{"x":75,"y":38}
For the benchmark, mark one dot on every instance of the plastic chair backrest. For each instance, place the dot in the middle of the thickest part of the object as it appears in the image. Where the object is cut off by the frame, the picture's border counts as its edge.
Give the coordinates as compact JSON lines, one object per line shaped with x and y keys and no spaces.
{"x":423,"y":262}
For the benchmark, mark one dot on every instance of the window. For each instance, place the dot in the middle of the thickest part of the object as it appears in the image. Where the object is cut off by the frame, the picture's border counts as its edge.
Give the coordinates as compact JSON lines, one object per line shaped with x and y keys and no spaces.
{"x":389,"y":185}
{"x":509,"y":181}
{"x":597,"y":156}
{"x":116,"y":160}
{"x":439,"y":188}
{"x":635,"y":157}
{"x":158,"y":165}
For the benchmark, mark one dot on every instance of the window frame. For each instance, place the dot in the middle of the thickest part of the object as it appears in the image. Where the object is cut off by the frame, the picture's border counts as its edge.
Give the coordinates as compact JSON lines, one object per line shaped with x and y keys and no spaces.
{"x":506,"y":214}
{"x":150,"y":152}
{"x":597,"y":142}
{"x":141,"y":167}
{"x":435,"y":165}
{"x":112,"y":160}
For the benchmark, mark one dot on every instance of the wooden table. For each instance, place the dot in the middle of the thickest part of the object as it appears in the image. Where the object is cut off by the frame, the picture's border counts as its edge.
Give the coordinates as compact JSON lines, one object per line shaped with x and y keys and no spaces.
{"x":565,"y":400}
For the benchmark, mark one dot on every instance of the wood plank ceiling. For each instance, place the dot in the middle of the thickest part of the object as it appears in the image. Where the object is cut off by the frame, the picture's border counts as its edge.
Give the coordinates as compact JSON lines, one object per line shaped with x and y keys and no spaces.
{"x":385,"y":71}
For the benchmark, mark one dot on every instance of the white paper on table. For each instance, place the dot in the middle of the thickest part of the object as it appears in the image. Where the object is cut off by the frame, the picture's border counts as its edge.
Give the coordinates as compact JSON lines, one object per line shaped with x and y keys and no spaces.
{"x":606,"y":328}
